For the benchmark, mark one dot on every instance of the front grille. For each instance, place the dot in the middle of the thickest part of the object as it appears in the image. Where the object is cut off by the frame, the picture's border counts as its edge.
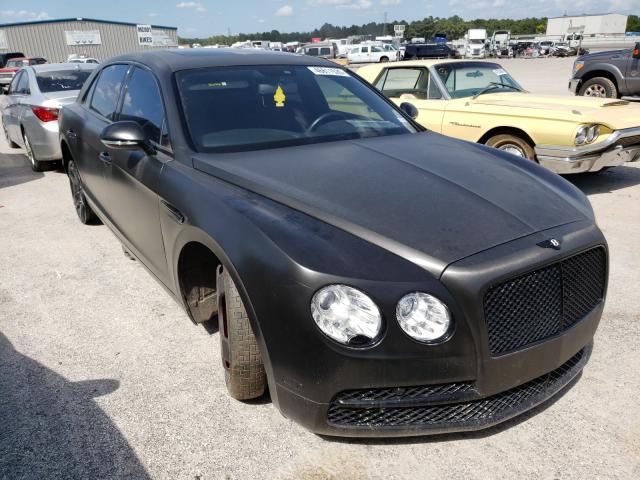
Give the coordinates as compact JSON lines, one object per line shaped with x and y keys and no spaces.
{"x":404,"y":395}
{"x":545,"y":302}
{"x":456,"y":415}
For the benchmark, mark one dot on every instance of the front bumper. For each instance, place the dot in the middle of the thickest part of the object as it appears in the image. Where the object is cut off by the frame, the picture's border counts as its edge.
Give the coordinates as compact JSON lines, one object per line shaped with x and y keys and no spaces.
{"x":574,"y":84}
{"x":622,"y":146}
{"x":460,"y":385}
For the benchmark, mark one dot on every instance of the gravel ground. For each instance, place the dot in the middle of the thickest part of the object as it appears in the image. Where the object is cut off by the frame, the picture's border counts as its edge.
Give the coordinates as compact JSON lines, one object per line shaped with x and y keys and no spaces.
{"x":102,"y":375}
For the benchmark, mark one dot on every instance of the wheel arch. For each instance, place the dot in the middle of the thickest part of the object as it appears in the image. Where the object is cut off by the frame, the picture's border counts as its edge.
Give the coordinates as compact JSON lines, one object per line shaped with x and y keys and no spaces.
{"x":189,"y":244}
{"x":66,"y":154}
{"x":503,"y":130}
{"x":612,"y":74}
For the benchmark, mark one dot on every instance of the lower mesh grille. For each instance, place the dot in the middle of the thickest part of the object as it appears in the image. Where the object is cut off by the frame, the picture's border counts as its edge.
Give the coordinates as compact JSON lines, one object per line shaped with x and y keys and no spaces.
{"x":545,"y":302}
{"x":458,"y":414}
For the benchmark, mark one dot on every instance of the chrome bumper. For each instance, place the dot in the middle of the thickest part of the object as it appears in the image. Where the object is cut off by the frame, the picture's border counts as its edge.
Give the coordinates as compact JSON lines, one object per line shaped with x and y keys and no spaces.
{"x":592,"y":158}
{"x":573,"y":85}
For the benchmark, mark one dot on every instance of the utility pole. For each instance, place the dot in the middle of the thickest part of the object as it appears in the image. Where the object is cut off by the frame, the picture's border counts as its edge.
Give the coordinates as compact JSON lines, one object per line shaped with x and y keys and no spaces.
{"x":384,"y":25}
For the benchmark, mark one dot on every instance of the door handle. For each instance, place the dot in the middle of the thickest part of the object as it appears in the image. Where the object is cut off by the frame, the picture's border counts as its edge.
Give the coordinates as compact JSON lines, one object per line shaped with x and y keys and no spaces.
{"x":105,"y":158}
{"x":173,"y":212}
{"x":71,"y":134}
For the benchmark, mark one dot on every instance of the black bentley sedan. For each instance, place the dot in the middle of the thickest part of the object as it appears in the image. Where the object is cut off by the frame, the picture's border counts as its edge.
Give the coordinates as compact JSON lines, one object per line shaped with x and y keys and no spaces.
{"x":379,"y":279}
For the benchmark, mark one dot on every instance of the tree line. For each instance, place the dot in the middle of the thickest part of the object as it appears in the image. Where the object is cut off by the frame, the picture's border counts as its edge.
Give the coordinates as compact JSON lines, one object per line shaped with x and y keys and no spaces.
{"x":454,"y":27}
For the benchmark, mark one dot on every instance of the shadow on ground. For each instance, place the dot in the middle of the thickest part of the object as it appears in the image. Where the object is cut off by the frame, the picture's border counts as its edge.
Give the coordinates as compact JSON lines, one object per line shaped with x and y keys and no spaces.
{"x":52,"y":428}
{"x":15,"y":169}
{"x":606,"y":181}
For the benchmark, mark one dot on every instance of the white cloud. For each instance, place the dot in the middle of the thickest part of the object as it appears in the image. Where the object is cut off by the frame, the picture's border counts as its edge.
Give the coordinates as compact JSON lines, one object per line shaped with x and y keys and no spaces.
{"x":153,"y":14}
{"x":285,"y":11}
{"x":197,"y":6}
{"x":390,"y":2}
{"x":357,"y":5}
{"x":23,"y":15}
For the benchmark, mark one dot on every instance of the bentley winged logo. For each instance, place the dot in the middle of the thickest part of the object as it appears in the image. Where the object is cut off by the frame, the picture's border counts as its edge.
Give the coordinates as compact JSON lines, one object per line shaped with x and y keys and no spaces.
{"x":550,"y":243}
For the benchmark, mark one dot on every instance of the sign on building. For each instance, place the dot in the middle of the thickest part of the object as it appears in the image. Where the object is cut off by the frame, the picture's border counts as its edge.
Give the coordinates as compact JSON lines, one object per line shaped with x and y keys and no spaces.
{"x":83,"y":37}
{"x":145,"y":36}
{"x":399,"y":30}
{"x":161,"y":39}
{"x":4,"y":44}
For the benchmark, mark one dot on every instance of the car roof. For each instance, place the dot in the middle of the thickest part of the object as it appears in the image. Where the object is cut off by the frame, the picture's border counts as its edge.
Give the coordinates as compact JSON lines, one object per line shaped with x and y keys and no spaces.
{"x":54,"y":67}
{"x":183,"y":59}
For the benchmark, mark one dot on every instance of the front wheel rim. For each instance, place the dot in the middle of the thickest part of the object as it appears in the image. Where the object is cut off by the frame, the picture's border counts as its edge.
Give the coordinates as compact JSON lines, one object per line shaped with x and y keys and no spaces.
{"x":512,"y":149}
{"x":76,"y":191}
{"x":595,"y":91}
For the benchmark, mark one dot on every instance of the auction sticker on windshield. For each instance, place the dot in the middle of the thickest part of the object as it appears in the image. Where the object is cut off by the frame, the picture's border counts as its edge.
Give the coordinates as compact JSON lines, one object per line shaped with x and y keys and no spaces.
{"x":328,"y":71}
{"x":499,"y":71}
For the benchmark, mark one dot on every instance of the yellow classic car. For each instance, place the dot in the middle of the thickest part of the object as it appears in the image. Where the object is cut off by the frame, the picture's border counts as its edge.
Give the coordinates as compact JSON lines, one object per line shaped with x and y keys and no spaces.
{"x":480,"y":102}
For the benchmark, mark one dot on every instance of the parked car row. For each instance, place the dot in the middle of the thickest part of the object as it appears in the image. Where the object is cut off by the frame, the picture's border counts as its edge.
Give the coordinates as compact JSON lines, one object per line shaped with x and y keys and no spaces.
{"x":11,"y":67}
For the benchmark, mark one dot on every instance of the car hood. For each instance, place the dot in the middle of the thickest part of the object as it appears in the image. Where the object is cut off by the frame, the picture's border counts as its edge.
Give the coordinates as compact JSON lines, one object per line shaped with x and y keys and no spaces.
{"x":602,"y":55}
{"x":614,"y":113}
{"x":428,"y":198}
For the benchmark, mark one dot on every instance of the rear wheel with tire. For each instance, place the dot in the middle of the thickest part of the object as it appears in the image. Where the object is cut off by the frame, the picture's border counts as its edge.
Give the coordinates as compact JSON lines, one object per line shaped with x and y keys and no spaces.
{"x":599,"y":87}
{"x":241,"y":358}
{"x":84,"y":211}
{"x":36,"y":165}
{"x":513,"y":144}
{"x":384,"y":59}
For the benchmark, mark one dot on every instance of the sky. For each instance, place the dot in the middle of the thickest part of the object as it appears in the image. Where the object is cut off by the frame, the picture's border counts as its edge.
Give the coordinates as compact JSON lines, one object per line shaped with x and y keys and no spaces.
{"x":209,"y":17}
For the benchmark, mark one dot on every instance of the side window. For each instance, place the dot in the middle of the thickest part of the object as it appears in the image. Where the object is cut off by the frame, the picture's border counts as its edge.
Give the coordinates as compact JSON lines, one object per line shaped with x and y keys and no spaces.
{"x":143,"y":104}
{"x":355,"y":50}
{"x":23,"y":83}
{"x":325,"y":51}
{"x":365,"y":49}
{"x":313,"y":52}
{"x":408,"y":82}
{"x":383,"y":77}
{"x":89,"y":94}
{"x":13,"y":88}
{"x":107,"y":90}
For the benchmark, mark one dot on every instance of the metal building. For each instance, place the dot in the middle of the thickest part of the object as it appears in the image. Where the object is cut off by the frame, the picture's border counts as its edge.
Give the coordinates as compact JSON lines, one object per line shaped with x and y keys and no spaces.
{"x":588,"y":25}
{"x":55,"y":40}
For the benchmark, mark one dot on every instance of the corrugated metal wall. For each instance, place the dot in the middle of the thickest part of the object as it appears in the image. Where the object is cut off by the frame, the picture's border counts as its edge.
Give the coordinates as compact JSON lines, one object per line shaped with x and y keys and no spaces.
{"x":48,"y":39}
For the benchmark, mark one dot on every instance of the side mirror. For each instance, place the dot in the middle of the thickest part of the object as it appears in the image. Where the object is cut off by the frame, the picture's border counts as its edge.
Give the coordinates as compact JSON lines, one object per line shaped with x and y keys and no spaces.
{"x":126,"y":135}
{"x":410,"y":109}
{"x":636,"y":51}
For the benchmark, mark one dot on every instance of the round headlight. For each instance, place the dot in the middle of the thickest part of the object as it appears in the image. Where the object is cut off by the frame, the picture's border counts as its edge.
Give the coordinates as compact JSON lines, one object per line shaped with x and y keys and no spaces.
{"x":592,"y":133}
{"x":581,"y":134}
{"x":347,"y":315}
{"x":423,"y":317}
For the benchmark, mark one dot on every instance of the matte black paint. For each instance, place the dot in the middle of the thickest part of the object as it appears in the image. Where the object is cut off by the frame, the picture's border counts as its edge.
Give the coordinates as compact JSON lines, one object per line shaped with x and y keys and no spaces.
{"x":388,"y":215}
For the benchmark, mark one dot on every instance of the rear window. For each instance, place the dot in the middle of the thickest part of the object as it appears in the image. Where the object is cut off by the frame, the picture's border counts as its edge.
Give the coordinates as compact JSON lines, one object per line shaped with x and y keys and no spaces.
{"x":17,"y":63}
{"x":62,"y":80}
{"x":249,"y":108}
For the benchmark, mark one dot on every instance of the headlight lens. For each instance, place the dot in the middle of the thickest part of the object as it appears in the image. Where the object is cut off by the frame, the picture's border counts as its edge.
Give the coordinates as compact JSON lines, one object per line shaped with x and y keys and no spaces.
{"x":578,"y":65}
{"x":581,"y":134}
{"x":592,"y":133}
{"x":423,"y":317}
{"x":346,"y":315}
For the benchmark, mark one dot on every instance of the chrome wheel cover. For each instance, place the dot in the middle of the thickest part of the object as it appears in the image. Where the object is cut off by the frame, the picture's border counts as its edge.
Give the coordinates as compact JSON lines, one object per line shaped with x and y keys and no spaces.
{"x":512,"y":149}
{"x":595,"y":90}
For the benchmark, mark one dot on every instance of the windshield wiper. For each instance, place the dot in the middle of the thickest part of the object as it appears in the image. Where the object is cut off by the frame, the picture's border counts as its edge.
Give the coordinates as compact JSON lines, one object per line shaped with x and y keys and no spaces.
{"x":493,"y":86}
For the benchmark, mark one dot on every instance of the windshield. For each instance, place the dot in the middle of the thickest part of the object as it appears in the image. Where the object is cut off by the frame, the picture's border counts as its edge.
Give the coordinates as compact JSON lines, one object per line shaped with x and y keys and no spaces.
{"x":61,"y":80}
{"x":469,"y":78}
{"x":17,"y":63}
{"x":249,"y":108}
